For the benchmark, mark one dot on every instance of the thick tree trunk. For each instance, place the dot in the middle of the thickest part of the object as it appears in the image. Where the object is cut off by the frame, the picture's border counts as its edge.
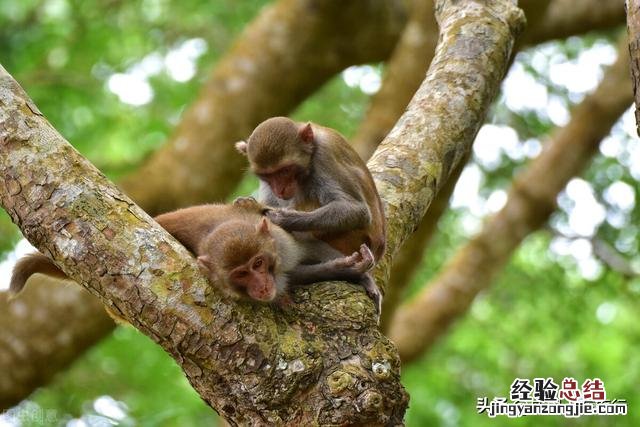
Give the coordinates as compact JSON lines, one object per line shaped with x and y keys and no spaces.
{"x":531,"y":201}
{"x":319,"y":361}
{"x":287,"y":53}
{"x":565,"y":20}
{"x":633,"y":28}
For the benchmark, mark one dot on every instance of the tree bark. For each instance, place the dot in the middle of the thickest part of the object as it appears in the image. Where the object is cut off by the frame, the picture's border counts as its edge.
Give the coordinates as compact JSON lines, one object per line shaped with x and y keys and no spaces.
{"x":565,"y":18}
{"x":633,"y":28}
{"x":287,"y":53}
{"x":320,"y":361}
{"x":199,"y":163}
{"x":531,"y":200}
{"x":29,"y":363}
{"x":412,"y":251}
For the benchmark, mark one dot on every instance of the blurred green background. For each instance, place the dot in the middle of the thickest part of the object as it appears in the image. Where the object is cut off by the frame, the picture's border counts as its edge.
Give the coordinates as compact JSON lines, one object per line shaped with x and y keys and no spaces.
{"x":556,"y":311}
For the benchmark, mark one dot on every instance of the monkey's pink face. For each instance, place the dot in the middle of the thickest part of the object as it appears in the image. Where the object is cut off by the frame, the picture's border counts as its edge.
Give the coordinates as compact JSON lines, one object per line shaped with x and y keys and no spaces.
{"x":283,"y":181}
{"x":255,"y":278}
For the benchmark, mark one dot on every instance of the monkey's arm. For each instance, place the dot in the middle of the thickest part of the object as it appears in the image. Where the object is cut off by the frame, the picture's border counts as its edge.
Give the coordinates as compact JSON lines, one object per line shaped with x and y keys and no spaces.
{"x":29,"y":265}
{"x":337,"y":216}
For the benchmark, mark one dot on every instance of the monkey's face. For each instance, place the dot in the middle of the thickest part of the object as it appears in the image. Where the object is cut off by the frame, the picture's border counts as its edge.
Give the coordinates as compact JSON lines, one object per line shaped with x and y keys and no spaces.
{"x":256,"y":278}
{"x":283,"y":180}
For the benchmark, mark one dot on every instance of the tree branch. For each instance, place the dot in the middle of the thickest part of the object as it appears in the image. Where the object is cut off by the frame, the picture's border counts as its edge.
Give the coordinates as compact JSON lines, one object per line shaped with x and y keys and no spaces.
{"x":435,"y":133}
{"x":140,"y":271}
{"x":413,"y":54}
{"x":531,"y":201}
{"x":406,"y":68}
{"x":412,"y":251}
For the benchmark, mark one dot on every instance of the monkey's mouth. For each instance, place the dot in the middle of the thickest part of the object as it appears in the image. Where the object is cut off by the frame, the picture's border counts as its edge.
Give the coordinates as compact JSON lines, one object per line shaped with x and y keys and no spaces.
{"x":286,"y":193}
{"x":265,"y":294}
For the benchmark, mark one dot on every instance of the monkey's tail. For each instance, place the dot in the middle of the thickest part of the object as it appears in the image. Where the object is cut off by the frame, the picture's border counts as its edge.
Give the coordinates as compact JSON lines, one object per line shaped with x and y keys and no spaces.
{"x":29,"y":265}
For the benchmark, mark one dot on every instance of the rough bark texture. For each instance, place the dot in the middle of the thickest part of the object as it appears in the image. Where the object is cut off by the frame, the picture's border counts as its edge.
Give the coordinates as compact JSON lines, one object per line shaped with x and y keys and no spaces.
{"x":412,"y":251}
{"x":633,"y":28}
{"x":531,"y":200}
{"x":199,"y":164}
{"x":49,"y":348}
{"x":287,"y":53}
{"x":319,"y":361}
{"x":435,"y":133}
{"x":564,"y":21}
{"x":408,"y":64}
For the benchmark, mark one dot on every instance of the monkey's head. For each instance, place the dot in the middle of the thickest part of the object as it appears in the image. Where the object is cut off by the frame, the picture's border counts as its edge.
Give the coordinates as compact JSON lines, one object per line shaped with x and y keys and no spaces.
{"x":279,"y":152}
{"x":242,"y":257}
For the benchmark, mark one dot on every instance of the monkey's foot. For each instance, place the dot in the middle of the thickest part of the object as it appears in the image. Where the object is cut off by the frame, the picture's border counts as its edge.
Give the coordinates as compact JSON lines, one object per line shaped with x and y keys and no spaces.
{"x":374,"y":293}
{"x":250,"y":204}
{"x":367,"y":260}
{"x":358,"y":262}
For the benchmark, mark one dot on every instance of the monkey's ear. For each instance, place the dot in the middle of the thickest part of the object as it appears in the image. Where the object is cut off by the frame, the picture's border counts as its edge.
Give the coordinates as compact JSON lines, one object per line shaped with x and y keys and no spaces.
{"x":241,"y":146}
{"x":204,"y":262}
{"x":263,"y":226}
{"x":306,"y":133}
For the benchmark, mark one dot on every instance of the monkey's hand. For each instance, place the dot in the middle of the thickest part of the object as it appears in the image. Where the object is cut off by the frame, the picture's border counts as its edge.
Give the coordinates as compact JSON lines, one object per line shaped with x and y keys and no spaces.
{"x":251,"y":204}
{"x":288,"y":219}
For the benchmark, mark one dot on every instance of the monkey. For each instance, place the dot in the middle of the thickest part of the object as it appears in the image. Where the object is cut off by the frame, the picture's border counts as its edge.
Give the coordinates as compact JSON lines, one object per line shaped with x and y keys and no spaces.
{"x":315,"y":185}
{"x":238,"y":249}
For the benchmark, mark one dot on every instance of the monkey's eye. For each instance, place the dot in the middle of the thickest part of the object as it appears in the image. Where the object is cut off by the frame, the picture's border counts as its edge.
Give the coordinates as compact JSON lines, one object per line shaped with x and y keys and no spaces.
{"x":240,"y":274}
{"x":258,"y":263}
